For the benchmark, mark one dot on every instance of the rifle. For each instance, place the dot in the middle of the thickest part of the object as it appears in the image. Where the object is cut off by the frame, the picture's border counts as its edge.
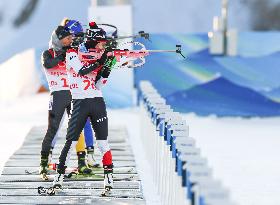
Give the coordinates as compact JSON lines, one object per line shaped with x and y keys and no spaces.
{"x":94,"y":54}
{"x":131,"y":56}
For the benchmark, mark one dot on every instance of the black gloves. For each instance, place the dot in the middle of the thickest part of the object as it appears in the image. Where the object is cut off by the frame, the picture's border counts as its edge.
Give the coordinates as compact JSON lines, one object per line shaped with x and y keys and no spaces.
{"x":98,"y":76}
{"x":103,"y":58}
{"x":110,"y":45}
{"x":108,"y":48}
{"x":108,"y":66}
{"x":106,"y":70}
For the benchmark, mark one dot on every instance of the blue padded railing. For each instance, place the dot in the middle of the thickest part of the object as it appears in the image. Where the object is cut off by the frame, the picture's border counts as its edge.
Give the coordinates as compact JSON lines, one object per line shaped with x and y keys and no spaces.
{"x":181,"y":174}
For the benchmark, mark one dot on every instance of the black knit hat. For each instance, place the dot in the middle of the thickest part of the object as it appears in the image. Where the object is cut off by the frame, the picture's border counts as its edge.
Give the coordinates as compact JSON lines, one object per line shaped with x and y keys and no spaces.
{"x":62,"y":32}
{"x":94,"y":33}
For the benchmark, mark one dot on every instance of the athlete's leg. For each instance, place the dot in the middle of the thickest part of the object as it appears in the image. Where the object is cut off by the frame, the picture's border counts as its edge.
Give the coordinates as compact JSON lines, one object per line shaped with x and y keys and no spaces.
{"x":57,"y":133}
{"x":60,"y":100}
{"x":91,"y":160}
{"x":75,"y":125}
{"x":88,"y":134}
{"x":80,"y":147}
{"x":81,"y":154}
{"x":58,"y":103}
{"x":55,"y":139}
{"x":99,"y":121}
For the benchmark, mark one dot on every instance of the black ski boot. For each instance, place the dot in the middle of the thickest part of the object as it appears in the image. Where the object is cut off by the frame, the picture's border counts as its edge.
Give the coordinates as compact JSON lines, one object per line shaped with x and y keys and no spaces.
{"x":82,"y":166}
{"x":43,"y":170}
{"x":59,"y":177}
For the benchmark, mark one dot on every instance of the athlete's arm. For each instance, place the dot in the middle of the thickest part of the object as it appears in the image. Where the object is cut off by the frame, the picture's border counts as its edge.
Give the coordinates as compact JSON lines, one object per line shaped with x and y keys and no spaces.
{"x":73,"y":61}
{"x":102,"y":76}
{"x":93,"y":66}
{"x":48,"y":61}
{"x":108,"y":66}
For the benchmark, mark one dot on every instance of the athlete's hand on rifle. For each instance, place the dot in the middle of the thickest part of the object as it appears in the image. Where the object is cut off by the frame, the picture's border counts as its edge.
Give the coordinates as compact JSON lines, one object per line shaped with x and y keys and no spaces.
{"x":110,"y":45}
{"x":107,"y":67}
{"x":103,"y":58}
{"x":109,"y":64}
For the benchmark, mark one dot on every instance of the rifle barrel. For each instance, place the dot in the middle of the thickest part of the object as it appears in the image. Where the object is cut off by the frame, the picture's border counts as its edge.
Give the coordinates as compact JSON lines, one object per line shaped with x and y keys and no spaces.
{"x":124,"y":37}
{"x":160,"y":51}
{"x":145,"y":35}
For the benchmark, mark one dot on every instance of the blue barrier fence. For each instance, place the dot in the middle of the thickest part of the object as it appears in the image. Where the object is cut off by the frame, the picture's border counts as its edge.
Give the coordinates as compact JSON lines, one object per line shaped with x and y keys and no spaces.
{"x":181,"y":174}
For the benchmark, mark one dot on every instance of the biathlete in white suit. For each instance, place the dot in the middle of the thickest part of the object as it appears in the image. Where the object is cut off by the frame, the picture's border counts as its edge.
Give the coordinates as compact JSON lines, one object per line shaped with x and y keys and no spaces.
{"x":85,"y":80}
{"x":77,"y":30}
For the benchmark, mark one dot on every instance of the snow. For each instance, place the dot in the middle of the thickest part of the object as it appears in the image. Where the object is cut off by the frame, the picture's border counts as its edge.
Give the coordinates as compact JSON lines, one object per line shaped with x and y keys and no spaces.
{"x":131,"y":119}
{"x":16,"y":119}
{"x":243,"y":152}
